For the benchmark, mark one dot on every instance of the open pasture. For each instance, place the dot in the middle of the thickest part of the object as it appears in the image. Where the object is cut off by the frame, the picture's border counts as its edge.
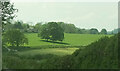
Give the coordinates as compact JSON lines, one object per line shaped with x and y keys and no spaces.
{"x":69,"y":39}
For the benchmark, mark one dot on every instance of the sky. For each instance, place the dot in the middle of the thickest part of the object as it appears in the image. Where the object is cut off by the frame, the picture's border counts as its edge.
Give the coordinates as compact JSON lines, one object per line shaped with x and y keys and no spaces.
{"x":65,"y":0}
{"x":92,"y":14}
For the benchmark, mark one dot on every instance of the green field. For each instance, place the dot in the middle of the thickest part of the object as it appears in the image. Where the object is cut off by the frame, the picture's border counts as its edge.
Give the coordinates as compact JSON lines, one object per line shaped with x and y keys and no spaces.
{"x":39,"y":46}
{"x":55,"y":51}
{"x":70,"y":39}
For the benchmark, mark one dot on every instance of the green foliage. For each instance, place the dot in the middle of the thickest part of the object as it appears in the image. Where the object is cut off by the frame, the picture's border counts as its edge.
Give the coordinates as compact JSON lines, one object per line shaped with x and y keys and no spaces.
{"x":37,"y":27}
{"x":25,"y":27}
{"x":102,"y":54}
{"x":13,"y":61}
{"x":93,"y":31}
{"x":65,"y":27}
{"x":18,"y":25}
{"x":68,"y":28}
{"x":52,"y":31}
{"x":8,"y":27}
{"x":8,"y":12}
{"x":44,"y":33}
{"x":103,"y":31}
{"x":14,"y":37}
{"x":83,"y":31}
{"x":71,"y":28}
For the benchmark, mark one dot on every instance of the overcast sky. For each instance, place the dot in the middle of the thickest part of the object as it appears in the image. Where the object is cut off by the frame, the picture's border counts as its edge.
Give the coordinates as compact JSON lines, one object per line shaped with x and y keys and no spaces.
{"x":83,"y":14}
{"x":65,"y":0}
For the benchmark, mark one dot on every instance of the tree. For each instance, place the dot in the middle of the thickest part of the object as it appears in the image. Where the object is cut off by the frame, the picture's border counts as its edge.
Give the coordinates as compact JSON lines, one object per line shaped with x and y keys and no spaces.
{"x":15,"y":37}
{"x":68,"y":28}
{"x":103,"y":31}
{"x":93,"y":31}
{"x":37,"y":27}
{"x":18,"y":25}
{"x":25,"y":27}
{"x":44,"y":33}
{"x":52,"y":31}
{"x":8,"y":12}
{"x":8,"y":27}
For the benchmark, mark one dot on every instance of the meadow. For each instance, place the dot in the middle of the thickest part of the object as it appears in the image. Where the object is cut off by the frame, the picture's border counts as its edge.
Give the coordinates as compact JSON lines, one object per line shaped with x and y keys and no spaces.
{"x":69,"y":40}
{"x":71,"y":43}
{"x":55,"y":51}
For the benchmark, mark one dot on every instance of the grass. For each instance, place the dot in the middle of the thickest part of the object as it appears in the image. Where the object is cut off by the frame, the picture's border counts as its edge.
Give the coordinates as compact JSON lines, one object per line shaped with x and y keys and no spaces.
{"x":70,"y":40}
{"x":40,"y":46}
{"x":54,"y":51}
{"x":67,"y":47}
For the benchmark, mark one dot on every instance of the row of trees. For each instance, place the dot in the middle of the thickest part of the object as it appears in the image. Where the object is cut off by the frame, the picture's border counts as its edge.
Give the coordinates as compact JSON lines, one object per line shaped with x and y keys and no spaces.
{"x":67,"y":28}
{"x":71,"y":28}
{"x":115,"y":31}
{"x":23,"y":27}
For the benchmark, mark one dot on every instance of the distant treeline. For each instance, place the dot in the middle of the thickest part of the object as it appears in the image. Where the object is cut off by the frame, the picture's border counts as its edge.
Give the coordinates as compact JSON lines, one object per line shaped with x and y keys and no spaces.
{"x":68,"y":28}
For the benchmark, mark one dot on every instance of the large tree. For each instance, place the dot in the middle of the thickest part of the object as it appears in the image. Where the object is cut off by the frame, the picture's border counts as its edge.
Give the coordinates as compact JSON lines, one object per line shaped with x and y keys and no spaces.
{"x":44,"y":32}
{"x":14,"y":37}
{"x":52,"y":31}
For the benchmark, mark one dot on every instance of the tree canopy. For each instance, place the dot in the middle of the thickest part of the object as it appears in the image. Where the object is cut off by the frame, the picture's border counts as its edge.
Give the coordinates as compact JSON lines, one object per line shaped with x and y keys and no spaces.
{"x":94,"y":31}
{"x":18,"y":25}
{"x":52,"y":31}
{"x":14,"y":37}
{"x":8,"y":12}
{"x":103,"y":31}
{"x":37,"y":26}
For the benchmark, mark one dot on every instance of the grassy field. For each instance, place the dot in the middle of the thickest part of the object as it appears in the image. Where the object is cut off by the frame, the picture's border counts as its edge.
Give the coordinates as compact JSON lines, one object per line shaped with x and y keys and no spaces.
{"x":39,"y":46}
{"x":70,"y":39}
{"x":55,"y":51}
